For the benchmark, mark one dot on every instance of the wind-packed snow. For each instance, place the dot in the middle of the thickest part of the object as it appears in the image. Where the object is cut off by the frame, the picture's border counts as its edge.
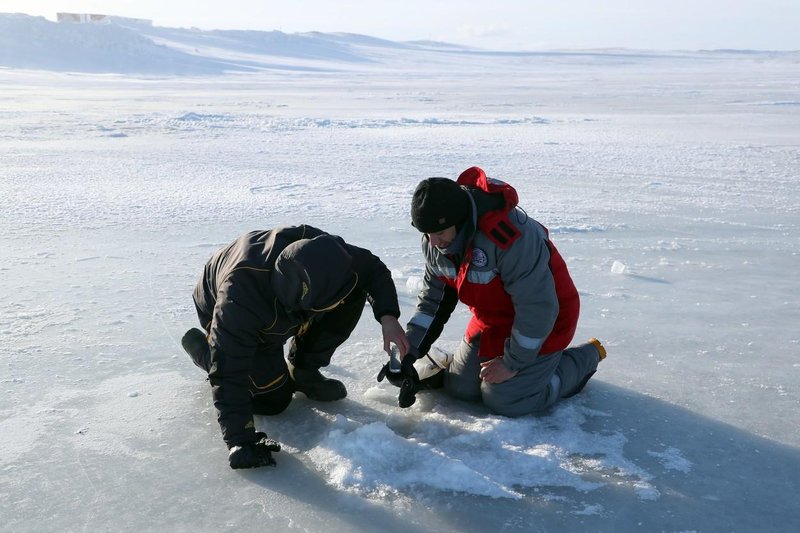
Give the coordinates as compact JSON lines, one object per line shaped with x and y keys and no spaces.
{"x":669,"y":182}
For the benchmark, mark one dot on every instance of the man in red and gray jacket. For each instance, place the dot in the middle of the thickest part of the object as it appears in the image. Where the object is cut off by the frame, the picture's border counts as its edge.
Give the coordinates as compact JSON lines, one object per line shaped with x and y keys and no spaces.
{"x":483,"y":250}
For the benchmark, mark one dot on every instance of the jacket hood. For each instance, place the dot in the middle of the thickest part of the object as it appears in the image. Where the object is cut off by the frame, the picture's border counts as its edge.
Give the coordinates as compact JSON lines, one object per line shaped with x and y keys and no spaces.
{"x":313,"y":274}
{"x":475,"y":177}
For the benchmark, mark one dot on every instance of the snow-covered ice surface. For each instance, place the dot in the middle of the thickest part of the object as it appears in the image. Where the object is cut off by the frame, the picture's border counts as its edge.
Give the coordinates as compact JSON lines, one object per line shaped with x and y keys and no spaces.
{"x":669,"y":181}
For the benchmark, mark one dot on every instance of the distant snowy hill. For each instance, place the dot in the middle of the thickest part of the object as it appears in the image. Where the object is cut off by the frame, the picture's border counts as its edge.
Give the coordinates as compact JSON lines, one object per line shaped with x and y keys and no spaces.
{"x":128,"y":48}
{"x":36,"y":43}
{"x":125,"y":47}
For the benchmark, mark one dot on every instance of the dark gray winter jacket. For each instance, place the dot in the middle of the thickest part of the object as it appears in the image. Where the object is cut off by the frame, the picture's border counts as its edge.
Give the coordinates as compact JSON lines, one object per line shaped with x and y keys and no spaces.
{"x":249,"y":303}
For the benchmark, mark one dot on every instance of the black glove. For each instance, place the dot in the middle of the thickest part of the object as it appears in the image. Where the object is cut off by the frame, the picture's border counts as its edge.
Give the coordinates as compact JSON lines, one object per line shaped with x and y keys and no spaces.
{"x":393,"y":370}
{"x":407,"y":378}
{"x":410,"y":384}
{"x":254,"y":454}
{"x":395,"y":378}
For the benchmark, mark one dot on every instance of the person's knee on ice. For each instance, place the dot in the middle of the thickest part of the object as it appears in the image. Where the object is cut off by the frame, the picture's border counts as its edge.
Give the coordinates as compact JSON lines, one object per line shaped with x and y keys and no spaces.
{"x":462,"y":377}
{"x":462,"y":388}
{"x":273,"y":402}
{"x":511,"y":400}
{"x":270,"y":385}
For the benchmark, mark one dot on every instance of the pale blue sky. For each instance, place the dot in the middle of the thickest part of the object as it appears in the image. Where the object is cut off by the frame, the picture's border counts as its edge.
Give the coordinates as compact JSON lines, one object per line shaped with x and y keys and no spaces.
{"x":496,"y":24}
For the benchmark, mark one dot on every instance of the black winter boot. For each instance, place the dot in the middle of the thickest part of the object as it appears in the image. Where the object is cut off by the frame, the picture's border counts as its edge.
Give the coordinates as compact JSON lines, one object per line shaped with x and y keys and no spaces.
{"x":317,"y":387}
{"x":195,"y":343}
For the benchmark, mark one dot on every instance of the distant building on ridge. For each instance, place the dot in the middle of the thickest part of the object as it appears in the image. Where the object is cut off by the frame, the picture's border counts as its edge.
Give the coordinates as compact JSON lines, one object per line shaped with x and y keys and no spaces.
{"x":93,"y":18}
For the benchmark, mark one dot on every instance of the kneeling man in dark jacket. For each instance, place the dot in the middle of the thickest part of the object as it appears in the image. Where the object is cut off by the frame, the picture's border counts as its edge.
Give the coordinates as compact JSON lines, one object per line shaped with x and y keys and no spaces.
{"x":263,"y":289}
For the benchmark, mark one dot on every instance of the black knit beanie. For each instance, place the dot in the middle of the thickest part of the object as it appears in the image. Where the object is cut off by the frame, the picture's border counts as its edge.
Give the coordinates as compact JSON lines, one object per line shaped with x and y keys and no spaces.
{"x":438,"y":203}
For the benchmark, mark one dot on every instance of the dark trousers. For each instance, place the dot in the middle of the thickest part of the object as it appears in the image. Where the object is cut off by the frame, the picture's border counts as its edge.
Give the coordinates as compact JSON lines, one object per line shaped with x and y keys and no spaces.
{"x":326,"y":332}
{"x":269,"y":381}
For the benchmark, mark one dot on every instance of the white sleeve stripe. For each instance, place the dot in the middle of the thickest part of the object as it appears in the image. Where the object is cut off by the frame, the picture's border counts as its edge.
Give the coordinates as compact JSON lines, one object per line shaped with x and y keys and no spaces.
{"x":448,"y":272}
{"x":529,"y":343}
{"x":422,"y":320}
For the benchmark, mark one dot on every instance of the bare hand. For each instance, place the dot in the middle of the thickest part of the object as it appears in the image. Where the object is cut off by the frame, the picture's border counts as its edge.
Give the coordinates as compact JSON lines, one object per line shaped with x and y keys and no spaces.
{"x":494,"y":371}
{"x":393,"y":332}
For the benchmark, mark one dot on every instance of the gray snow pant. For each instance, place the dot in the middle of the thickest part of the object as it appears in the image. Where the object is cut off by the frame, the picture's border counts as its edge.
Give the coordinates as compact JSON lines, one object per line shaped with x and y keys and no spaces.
{"x":534,"y":388}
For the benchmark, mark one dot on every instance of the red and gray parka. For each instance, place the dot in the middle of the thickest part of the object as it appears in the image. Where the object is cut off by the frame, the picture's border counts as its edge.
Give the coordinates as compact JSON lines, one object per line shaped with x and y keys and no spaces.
{"x":523,"y":301}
